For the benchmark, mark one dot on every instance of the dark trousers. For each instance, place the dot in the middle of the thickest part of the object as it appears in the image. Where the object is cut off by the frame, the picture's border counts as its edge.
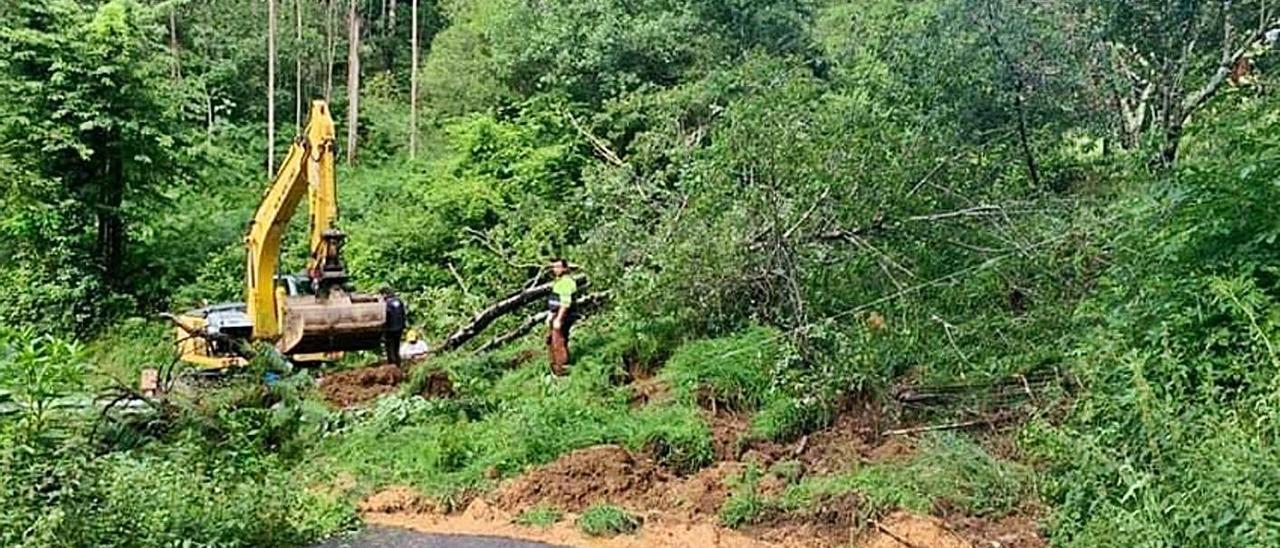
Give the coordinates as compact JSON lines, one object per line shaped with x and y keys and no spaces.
{"x":391,"y":341}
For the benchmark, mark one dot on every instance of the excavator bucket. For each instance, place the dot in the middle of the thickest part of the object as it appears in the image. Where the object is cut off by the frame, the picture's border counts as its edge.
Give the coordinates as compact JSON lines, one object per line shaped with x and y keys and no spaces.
{"x":341,"y":322}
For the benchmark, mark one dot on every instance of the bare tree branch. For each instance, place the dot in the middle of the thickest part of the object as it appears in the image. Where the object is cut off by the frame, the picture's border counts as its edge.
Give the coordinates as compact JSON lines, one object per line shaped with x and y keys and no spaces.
{"x":1229,"y":59}
{"x":585,"y":306}
{"x":600,"y":146}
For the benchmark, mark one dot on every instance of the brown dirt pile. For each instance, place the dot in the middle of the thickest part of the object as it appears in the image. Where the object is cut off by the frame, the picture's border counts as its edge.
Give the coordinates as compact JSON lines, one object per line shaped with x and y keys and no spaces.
{"x":395,"y":499}
{"x":902,"y":529}
{"x":356,"y":386}
{"x":700,"y":494}
{"x":580,"y":478}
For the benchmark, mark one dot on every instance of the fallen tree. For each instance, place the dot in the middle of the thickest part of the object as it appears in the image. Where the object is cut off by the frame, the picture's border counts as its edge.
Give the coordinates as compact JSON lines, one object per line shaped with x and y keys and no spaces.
{"x":484,"y":318}
{"x":585,"y":306}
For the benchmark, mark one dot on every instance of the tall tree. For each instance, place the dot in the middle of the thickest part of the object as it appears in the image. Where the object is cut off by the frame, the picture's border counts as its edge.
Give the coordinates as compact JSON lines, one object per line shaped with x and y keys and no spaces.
{"x":413,"y":82}
{"x":271,"y":88}
{"x":173,"y":42}
{"x":297,"y":59}
{"x":353,"y":78}
{"x":330,"y":47}
{"x":87,"y":102}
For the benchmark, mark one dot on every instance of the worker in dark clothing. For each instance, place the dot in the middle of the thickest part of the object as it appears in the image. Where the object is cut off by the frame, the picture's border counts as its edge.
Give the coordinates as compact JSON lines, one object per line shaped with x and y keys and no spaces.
{"x":394,"y":327}
{"x":561,"y":315}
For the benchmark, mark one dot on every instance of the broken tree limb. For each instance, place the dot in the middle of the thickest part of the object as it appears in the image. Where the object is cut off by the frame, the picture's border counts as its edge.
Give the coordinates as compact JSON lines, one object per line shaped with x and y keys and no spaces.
{"x":521,"y":330}
{"x":483,"y":318}
{"x":586,"y":305}
{"x":600,"y":146}
{"x":937,"y":427}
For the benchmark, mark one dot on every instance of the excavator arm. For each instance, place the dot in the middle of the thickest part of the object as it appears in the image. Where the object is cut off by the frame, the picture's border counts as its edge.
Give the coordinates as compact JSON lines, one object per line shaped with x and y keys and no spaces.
{"x":335,"y":318}
{"x":307,"y":170}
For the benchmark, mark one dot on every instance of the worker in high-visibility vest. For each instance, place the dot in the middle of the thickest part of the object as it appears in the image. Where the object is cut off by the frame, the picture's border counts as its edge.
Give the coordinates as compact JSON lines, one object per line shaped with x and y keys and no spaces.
{"x":561,"y":315}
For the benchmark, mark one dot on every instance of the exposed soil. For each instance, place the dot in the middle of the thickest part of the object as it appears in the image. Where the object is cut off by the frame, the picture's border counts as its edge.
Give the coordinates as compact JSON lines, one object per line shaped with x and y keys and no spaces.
{"x":905,"y":530}
{"x":855,"y":437}
{"x":702,"y":493}
{"x":728,"y":431}
{"x":355,"y":387}
{"x":1012,"y":531}
{"x":649,"y":391}
{"x":835,"y":521}
{"x":683,"y":510}
{"x":437,"y":385}
{"x":580,"y":478}
{"x":480,"y":518}
{"x":396,"y":499}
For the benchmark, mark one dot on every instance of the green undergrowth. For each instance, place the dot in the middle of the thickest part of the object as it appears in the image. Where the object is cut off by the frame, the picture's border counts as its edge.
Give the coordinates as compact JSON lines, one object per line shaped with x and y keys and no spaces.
{"x":1174,"y":442}
{"x":607,"y":520}
{"x":507,"y":415}
{"x":753,"y":371}
{"x":948,"y":470}
{"x":540,"y":515}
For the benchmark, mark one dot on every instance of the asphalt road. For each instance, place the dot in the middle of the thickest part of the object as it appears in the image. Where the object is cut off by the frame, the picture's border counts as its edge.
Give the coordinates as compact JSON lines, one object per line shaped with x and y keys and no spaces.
{"x":389,"y":537}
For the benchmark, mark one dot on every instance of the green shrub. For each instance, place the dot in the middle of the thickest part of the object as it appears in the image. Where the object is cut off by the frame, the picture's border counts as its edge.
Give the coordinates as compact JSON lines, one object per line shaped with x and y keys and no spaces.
{"x":676,"y":436}
{"x":745,"y":506}
{"x":539,"y":516}
{"x":734,"y":372}
{"x":607,"y":520}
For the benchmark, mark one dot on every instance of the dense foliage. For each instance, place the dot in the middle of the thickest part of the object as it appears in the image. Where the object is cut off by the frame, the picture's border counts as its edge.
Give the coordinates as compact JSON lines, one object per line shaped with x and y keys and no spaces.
{"x":791,"y":202}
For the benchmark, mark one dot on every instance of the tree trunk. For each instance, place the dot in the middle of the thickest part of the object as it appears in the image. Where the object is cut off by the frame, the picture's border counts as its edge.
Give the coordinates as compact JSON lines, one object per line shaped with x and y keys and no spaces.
{"x":391,"y":36}
{"x":1018,"y":87}
{"x":173,"y":42}
{"x":1169,"y":151}
{"x":110,"y":220}
{"x":1028,"y":155}
{"x":353,"y":80}
{"x":331,"y":49}
{"x":297,"y":58}
{"x":208,"y":112}
{"x":271,"y":88}
{"x":413,"y":82}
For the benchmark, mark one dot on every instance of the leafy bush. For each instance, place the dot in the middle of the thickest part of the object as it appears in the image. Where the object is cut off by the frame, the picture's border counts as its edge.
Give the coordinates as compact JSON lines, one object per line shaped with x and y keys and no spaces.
{"x":746,"y":505}
{"x":1172,"y":439}
{"x":539,"y":516}
{"x":733,"y":372}
{"x":607,"y":520}
{"x":59,"y":486}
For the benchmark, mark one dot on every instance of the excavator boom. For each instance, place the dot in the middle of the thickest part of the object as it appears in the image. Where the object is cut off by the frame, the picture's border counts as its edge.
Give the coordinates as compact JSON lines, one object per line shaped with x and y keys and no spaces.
{"x":333,"y":318}
{"x":309,"y":164}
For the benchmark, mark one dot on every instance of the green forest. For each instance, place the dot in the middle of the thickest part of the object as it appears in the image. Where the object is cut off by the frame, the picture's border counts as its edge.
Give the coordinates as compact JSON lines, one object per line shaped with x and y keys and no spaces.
{"x":980,"y":265}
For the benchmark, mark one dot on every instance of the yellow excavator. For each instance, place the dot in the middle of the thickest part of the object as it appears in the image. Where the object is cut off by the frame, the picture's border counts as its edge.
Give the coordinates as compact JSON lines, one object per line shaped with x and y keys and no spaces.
{"x":312,"y":317}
